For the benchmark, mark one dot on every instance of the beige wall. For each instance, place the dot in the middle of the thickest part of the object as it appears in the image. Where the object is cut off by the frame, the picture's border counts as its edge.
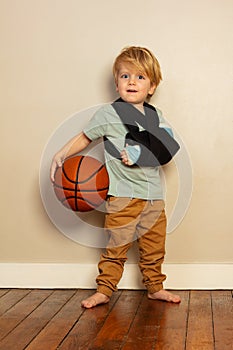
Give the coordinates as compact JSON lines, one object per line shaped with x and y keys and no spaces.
{"x":56,"y":59}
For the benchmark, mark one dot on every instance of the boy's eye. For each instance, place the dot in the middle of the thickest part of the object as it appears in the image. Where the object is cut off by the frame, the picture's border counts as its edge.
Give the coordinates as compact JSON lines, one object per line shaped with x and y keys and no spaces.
{"x":141,"y":77}
{"x":125,"y":76}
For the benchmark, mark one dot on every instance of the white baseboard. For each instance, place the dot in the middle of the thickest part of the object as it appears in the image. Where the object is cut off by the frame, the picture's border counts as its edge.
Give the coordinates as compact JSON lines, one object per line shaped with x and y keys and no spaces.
{"x":179,"y":276}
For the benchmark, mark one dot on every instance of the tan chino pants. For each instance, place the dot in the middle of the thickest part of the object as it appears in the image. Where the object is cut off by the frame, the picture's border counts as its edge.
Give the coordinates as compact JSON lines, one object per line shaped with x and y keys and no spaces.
{"x":126,"y":220}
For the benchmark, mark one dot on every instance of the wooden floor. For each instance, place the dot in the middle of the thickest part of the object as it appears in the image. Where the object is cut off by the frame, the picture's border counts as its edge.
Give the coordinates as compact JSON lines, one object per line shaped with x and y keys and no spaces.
{"x":53,"y":319}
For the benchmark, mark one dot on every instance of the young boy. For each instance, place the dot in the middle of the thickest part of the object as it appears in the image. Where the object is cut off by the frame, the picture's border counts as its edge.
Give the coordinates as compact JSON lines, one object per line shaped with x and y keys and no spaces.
{"x":134,"y":134}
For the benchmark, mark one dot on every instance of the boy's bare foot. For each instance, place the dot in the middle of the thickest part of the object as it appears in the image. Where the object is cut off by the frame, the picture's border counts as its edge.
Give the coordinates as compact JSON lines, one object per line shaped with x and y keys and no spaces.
{"x":165,"y":296}
{"x":94,"y":300}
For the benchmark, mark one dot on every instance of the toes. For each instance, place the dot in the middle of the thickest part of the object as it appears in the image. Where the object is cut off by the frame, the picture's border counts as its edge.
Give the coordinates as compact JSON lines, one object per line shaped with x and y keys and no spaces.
{"x":96,"y":299}
{"x":89,"y":303}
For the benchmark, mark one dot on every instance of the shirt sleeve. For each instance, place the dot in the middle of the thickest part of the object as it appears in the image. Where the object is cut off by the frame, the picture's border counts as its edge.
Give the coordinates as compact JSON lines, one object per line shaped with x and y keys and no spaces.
{"x":97,"y":126}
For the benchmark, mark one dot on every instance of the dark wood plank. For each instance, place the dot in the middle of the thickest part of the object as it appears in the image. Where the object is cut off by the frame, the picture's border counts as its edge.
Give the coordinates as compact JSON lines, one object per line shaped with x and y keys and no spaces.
{"x":200,"y":326}
{"x":117,"y":324}
{"x":159,"y":325}
{"x":172,"y":330}
{"x":145,"y":326}
{"x":22,"y":335}
{"x":56,"y":330}
{"x":11,"y":298}
{"x":88,"y":326}
{"x":2,"y":292}
{"x":223,"y":319}
{"x":10,"y":319}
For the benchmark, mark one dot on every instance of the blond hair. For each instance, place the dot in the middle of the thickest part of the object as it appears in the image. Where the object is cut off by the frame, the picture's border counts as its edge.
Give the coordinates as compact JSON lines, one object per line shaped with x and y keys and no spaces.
{"x":142,"y":59}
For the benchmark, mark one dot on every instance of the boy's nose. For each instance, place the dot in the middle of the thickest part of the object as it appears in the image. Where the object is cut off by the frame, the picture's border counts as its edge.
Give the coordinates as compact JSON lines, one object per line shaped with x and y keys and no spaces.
{"x":132,"y":81}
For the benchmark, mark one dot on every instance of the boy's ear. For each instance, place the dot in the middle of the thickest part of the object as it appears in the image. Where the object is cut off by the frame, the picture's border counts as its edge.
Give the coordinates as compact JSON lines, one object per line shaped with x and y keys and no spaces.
{"x":152,"y":89}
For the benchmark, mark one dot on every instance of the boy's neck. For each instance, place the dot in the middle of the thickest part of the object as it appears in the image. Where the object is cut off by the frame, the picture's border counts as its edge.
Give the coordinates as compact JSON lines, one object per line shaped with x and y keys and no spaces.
{"x":140,"y":107}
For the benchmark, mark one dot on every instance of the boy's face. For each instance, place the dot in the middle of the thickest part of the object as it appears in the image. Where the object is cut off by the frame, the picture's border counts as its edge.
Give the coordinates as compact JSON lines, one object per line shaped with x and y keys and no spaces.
{"x":133,"y":86}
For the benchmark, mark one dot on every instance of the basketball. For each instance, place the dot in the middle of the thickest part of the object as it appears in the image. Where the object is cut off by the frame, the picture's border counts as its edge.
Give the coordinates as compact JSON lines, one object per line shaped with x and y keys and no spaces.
{"x":81,"y":184}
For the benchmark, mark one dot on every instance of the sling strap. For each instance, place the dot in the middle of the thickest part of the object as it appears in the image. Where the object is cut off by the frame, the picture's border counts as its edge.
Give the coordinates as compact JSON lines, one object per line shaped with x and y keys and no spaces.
{"x":157,"y":146}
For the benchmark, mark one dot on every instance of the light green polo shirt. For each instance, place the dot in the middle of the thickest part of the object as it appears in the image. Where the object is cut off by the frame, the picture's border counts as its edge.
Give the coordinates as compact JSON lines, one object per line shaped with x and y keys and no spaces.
{"x":125,"y":181}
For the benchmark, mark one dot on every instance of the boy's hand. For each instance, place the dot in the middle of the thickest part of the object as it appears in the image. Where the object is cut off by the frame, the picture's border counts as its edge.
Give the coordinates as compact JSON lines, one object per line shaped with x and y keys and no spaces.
{"x":56,"y":162}
{"x":130,"y":154}
{"x":124,"y":158}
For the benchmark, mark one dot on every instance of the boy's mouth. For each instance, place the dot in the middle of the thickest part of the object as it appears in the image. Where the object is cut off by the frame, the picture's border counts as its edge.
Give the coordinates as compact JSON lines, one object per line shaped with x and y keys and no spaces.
{"x":131,"y":90}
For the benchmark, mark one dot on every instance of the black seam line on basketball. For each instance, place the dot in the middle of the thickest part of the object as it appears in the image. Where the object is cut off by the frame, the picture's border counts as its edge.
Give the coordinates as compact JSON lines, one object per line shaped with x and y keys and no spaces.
{"x":84,"y":200}
{"x":71,"y":189}
{"x":81,"y":182}
{"x":76,"y":183}
{"x":65,"y":174}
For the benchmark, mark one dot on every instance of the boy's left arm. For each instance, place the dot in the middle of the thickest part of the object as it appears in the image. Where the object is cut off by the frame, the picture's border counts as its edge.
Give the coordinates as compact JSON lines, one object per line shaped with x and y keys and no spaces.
{"x":131,"y":154}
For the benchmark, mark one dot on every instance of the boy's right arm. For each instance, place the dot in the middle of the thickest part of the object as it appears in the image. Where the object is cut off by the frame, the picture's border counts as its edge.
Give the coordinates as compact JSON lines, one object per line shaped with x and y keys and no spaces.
{"x":75,"y":145}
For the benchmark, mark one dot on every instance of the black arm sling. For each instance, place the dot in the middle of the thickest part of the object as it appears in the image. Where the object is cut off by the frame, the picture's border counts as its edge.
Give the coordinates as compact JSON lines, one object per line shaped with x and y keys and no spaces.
{"x":158,"y":147}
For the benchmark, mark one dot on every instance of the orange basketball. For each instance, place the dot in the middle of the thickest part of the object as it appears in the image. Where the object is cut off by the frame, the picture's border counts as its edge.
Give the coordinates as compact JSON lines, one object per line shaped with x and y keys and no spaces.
{"x":81,"y":184}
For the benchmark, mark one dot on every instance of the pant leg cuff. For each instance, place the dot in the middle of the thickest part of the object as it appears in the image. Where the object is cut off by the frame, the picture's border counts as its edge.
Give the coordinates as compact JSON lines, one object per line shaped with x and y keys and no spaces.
{"x":154,"y":288}
{"x":104,"y":290}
